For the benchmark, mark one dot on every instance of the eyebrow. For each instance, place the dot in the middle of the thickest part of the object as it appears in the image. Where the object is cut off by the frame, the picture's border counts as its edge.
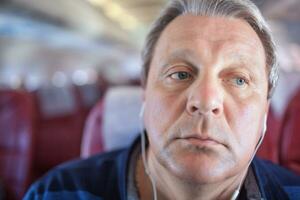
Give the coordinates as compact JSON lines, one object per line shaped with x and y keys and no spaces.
{"x":246,"y":62}
{"x":188,"y":56}
{"x":185,"y":55}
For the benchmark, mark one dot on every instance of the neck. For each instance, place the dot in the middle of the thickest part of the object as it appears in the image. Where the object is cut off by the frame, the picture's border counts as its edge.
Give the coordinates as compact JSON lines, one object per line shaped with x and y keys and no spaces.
{"x":172,"y":187}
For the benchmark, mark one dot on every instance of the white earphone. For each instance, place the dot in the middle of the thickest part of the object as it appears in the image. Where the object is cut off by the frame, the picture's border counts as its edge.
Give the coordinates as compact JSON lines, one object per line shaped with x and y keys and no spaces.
{"x":265,"y":124}
{"x":143,"y":148}
{"x":142,"y":110}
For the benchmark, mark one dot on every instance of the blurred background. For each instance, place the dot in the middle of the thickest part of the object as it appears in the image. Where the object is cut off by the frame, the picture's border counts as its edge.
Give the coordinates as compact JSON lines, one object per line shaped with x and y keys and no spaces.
{"x":59,"y":58}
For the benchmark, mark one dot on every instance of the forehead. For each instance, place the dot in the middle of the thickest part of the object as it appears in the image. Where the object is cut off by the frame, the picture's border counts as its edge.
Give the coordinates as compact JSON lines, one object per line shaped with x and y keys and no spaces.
{"x":210,"y":36}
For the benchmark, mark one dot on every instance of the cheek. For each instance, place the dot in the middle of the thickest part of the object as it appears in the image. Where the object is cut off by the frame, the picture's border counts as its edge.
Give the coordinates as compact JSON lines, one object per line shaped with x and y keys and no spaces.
{"x":161,"y":112}
{"x":246,"y":123}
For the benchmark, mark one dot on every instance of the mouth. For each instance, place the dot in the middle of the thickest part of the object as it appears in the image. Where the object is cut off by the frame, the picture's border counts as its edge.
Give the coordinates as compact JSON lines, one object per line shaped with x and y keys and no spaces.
{"x":200,"y":141}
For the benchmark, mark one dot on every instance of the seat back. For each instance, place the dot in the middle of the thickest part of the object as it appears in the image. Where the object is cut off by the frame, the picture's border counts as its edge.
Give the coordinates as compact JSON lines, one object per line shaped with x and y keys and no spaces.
{"x":113,"y":123}
{"x":16,"y":141}
{"x":59,"y":128}
{"x":287,"y":87}
{"x":289,"y":155}
{"x":269,"y":148}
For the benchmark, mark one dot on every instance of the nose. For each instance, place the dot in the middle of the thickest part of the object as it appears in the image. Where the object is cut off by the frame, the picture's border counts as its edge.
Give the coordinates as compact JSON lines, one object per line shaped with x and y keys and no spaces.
{"x":205,"y":98}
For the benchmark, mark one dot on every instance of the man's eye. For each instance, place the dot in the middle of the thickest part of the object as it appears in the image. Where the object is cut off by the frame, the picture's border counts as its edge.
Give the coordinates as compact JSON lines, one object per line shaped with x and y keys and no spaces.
{"x":180,"y":75}
{"x":239,"y":82}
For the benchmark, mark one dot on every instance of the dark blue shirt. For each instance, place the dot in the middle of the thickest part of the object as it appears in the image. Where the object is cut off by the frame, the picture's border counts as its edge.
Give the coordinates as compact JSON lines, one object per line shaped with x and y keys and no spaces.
{"x":105,"y":177}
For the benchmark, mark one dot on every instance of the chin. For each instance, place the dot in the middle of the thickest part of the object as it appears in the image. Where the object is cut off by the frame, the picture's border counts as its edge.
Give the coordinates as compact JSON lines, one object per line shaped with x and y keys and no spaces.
{"x":199,"y":167}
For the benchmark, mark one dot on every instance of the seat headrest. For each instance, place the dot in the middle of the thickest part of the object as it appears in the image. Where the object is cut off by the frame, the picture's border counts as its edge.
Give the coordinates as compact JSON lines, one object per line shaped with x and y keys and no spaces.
{"x":121,"y":121}
{"x":56,"y":101}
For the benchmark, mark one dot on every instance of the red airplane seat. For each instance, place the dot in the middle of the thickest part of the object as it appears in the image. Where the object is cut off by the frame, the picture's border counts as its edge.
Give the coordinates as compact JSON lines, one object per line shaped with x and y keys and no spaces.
{"x":59,"y":128}
{"x":113,"y":123}
{"x":270,"y":145}
{"x":16,"y":141}
{"x":289,"y":155}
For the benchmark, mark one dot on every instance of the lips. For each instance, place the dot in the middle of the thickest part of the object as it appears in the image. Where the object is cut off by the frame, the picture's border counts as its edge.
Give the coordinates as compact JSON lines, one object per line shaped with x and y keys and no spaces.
{"x":201,"y":140}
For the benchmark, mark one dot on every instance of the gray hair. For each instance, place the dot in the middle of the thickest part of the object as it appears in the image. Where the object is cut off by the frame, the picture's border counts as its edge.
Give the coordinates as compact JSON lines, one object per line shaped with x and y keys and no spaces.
{"x":241,"y":9}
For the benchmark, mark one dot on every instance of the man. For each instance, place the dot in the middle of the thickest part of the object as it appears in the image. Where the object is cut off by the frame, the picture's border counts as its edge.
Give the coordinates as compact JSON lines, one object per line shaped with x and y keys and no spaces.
{"x":208,"y":76}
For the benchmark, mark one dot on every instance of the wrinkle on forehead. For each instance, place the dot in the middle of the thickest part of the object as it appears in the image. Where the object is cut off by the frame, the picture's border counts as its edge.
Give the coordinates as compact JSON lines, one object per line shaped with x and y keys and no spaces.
{"x":204,"y":28}
{"x":240,"y":46}
{"x":211,"y":24}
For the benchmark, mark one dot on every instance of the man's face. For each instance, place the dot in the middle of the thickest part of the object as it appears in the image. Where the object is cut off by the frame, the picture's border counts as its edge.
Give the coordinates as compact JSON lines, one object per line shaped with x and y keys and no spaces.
{"x":206,"y":97}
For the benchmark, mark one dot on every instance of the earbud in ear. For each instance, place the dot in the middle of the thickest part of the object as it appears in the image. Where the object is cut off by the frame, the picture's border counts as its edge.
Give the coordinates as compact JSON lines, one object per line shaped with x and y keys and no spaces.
{"x":142,"y":110}
{"x":265,"y":124}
